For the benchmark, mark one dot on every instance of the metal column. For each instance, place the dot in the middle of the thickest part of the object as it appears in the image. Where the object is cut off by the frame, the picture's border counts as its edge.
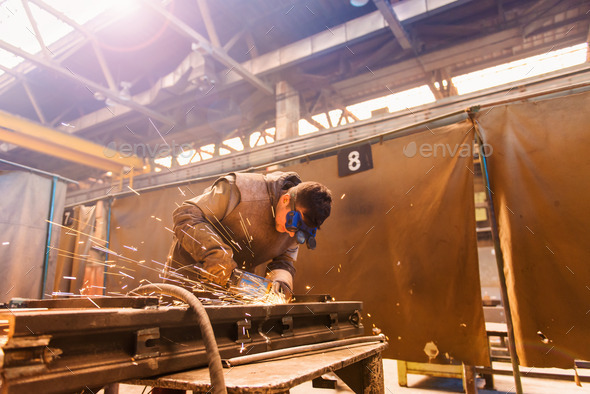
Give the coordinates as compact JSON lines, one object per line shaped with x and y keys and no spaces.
{"x":108,"y":242}
{"x":49,"y":231}
{"x":500,"y":263}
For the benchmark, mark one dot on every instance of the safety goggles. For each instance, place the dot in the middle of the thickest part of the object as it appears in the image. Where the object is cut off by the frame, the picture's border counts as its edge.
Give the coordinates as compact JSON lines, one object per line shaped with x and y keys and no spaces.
{"x":295,"y":224}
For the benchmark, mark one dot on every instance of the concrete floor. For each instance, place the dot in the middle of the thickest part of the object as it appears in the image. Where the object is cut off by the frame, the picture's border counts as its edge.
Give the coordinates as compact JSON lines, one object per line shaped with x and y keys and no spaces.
{"x":419,"y":384}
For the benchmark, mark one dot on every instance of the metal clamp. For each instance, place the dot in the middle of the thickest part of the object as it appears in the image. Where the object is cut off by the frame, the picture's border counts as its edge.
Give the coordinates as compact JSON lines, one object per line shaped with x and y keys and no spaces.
{"x":333,"y":321}
{"x":355,"y":319}
{"x":287,"y":322}
{"x":146,"y":344}
{"x":244,"y":327}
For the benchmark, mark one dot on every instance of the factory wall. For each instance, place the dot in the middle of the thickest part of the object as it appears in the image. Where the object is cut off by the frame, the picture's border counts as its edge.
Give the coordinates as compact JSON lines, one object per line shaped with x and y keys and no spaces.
{"x":24,"y":213}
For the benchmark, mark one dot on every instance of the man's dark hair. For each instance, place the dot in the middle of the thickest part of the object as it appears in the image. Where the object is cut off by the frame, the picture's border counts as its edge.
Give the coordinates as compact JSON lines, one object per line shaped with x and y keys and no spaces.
{"x":314,"y":200}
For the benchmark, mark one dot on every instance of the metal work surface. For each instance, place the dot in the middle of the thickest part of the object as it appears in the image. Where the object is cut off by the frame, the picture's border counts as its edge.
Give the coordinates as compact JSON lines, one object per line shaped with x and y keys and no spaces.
{"x":360,"y":366}
{"x":98,"y":302}
{"x":66,"y":350}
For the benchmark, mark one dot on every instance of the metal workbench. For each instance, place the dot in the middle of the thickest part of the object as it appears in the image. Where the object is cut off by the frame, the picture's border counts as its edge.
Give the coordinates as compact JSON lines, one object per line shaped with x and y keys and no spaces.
{"x":360,"y":366}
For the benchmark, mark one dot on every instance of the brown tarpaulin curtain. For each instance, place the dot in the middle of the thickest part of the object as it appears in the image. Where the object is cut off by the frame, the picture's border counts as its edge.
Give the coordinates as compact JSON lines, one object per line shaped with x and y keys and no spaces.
{"x":538,"y":173}
{"x":401,"y":238}
{"x":141,"y":235}
{"x":73,"y":251}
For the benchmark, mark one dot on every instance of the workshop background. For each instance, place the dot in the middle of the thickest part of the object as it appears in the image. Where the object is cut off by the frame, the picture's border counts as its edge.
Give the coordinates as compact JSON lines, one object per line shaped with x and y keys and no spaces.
{"x":106,"y":129}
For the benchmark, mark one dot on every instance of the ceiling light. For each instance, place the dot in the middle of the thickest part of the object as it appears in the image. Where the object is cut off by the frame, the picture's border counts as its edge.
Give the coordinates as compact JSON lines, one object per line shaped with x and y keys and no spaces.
{"x":359,"y":3}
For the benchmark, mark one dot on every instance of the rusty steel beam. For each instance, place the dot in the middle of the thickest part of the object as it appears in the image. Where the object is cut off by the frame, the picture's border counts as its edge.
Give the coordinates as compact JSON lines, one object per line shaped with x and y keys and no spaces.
{"x":89,"y":35}
{"x":33,"y":136}
{"x":394,"y":24}
{"x":217,"y":53}
{"x":68,"y":350}
{"x":91,"y":85}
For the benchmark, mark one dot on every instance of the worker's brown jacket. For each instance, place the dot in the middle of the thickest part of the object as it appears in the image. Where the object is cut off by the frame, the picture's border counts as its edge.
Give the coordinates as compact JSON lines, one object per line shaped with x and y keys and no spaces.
{"x":232,"y":225}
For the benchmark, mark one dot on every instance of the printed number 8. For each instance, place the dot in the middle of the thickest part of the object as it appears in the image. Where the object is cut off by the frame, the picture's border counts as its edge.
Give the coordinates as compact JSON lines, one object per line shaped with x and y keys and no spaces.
{"x":353,"y":160}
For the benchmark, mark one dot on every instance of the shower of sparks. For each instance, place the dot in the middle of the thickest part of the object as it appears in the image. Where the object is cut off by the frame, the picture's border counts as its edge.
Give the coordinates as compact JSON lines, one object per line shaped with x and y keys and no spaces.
{"x":133,"y":190}
{"x":124,"y":274}
{"x":61,"y":293}
{"x":90,"y":299}
{"x":198,"y":280}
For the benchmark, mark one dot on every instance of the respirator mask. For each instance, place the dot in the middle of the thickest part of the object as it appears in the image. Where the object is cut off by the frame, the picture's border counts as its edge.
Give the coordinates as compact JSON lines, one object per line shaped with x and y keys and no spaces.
{"x":295,"y":224}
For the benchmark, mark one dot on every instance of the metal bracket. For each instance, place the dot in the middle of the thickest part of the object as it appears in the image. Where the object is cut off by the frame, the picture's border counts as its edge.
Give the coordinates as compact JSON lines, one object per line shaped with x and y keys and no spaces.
{"x":355,"y":319}
{"x":321,"y":383}
{"x":333,"y":321}
{"x":244,"y":327}
{"x":147,"y":343}
{"x":287,"y":322}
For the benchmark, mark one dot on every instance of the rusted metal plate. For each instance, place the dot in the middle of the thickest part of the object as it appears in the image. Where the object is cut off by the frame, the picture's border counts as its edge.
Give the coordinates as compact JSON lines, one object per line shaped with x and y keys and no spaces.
{"x":93,"y":347}
{"x":279,"y":375}
{"x":85,"y":302}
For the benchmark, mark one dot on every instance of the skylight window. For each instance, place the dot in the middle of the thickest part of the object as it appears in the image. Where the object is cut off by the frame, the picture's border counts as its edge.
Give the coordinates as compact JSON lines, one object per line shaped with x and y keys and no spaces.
{"x":394,"y":102}
{"x":51,"y":28}
{"x":234,"y":143}
{"x":16,"y":28}
{"x":262,"y":138}
{"x":521,"y":69}
{"x":9,"y":60}
{"x":186,"y":157}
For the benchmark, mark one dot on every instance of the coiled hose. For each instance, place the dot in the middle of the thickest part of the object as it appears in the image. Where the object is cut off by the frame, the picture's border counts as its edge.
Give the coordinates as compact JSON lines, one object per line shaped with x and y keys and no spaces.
{"x":215,"y":368}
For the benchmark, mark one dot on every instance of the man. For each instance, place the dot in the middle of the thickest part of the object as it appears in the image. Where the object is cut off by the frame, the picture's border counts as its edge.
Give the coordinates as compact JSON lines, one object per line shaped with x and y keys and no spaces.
{"x":245,"y":220}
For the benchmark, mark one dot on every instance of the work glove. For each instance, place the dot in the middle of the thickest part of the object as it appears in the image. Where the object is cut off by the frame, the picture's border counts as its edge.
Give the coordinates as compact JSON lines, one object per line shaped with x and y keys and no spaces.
{"x":282,"y":288}
{"x":219,"y":269}
{"x":282,"y":282}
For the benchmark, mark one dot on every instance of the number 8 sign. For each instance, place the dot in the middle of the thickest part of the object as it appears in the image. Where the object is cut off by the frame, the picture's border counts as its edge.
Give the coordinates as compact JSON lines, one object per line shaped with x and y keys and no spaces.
{"x":355,"y":159}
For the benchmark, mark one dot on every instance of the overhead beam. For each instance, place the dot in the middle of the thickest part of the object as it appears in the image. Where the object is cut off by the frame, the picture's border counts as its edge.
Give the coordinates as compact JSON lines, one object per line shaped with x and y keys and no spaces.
{"x":56,"y":150}
{"x":537,"y":20}
{"x":11,"y":72}
{"x":206,"y":15}
{"x":232,"y":41}
{"x":217,"y":53}
{"x":33,"y":101}
{"x":38,"y":35}
{"x":394,"y":24}
{"x":252,"y":50}
{"x":26,"y":67}
{"x":28,"y":91}
{"x":33,"y":136}
{"x":91,"y":85}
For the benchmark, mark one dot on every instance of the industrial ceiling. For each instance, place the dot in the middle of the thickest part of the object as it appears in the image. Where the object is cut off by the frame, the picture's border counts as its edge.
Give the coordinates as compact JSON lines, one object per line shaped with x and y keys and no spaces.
{"x":198,"y":72}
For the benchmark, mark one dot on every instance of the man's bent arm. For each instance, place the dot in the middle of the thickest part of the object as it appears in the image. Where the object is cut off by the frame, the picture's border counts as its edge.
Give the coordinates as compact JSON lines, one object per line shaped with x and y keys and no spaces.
{"x":196,"y":234}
